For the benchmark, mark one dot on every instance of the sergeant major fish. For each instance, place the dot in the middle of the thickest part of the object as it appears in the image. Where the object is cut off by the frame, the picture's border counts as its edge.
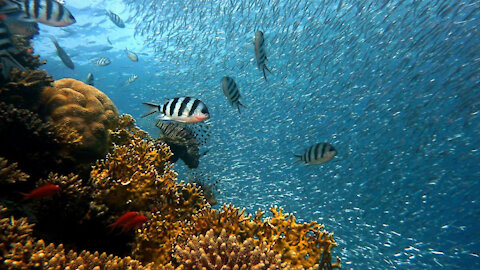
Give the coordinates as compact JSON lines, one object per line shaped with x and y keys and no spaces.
{"x":131,"y":79}
{"x":260,"y":54}
{"x":181,"y":109}
{"x":230,"y":90}
{"x":317,"y":154}
{"x":49,"y":12}
{"x":131,"y":55}
{"x":90,"y":79}
{"x":63,"y":55}
{"x":6,"y":48}
{"x":115,"y":19}
{"x":103,"y":61}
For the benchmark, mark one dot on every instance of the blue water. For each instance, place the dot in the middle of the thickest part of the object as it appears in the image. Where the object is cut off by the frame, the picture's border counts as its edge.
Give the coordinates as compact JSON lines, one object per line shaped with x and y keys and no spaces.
{"x":393,"y":85}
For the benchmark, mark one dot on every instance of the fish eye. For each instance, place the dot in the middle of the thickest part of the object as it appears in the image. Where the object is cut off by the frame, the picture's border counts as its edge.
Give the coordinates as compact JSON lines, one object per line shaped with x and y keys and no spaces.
{"x":204,"y":110}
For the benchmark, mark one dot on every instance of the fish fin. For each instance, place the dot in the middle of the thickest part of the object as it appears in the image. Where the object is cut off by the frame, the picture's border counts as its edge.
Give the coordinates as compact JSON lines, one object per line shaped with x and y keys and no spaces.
{"x":10,"y":6}
{"x":8,"y":62}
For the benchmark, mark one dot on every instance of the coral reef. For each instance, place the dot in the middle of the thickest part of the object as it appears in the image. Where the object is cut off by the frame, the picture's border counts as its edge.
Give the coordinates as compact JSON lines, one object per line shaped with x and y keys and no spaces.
{"x":38,"y":147}
{"x":23,"y":88}
{"x":20,"y":250}
{"x":9,"y":173}
{"x":226,"y":252}
{"x":86,"y":109}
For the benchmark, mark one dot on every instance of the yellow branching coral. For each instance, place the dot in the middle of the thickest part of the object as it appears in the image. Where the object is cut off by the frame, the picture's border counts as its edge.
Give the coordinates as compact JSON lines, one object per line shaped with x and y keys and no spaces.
{"x":127,"y":131}
{"x":211,"y":251}
{"x":10,"y":174}
{"x":133,"y":176}
{"x":301,"y":245}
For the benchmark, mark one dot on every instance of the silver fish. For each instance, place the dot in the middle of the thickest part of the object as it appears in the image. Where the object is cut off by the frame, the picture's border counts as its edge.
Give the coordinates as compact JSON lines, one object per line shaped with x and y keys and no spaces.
{"x":115,"y":19}
{"x":317,"y":154}
{"x":260,"y":54}
{"x":103,"y":61}
{"x":181,"y":109}
{"x":131,"y":55}
{"x":6,"y":48}
{"x":63,"y":55}
{"x":230,"y":90}
{"x":90,"y":79}
{"x":49,"y":12}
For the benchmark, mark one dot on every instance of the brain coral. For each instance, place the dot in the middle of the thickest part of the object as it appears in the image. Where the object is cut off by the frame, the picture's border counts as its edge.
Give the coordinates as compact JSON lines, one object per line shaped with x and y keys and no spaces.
{"x":84,"y":108}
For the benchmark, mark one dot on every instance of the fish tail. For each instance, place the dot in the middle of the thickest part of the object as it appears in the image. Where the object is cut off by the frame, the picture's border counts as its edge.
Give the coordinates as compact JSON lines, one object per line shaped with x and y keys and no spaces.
{"x":240,"y":105}
{"x":10,"y":6}
{"x":265,"y":66}
{"x":155,"y":108}
{"x":264,"y":75}
{"x":299,"y":159}
{"x":26,"y":196}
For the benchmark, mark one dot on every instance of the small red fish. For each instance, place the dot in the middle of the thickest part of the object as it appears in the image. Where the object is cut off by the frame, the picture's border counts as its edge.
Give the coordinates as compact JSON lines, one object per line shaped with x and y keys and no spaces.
{"x":47,"y":190}
{"x":134,"y":222}
{"x":122,"y":220}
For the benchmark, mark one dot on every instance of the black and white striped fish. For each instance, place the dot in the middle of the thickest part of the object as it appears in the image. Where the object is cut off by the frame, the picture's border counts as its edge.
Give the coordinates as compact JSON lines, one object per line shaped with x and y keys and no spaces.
{"x":230,"y":90}
{"x":131,"y":79}
{"x":260,"y":53}
{"x":49,"y":12}
{"x":7,"y":62}
{"x":115,"y":19}
{"x":90,"y":79}
{"x":317,"y":154}
{"x":181,"y":109}
{"x":63,"y":55}
{"x":193,"y":134}
{"x":103,"y":61}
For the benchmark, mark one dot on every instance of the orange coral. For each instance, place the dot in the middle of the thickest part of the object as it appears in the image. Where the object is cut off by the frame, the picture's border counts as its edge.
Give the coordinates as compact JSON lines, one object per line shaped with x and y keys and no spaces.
{"x":226,"y":252}
{"x":86,"y":109}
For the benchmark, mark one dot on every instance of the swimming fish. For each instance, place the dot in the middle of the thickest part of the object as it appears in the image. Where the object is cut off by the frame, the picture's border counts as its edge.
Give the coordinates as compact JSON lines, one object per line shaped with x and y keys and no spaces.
{"x":181,"y":109}
{"x":90,"y":79}
{"x":230,"y":90}
{"x":49,"y":12}
{"x":103,"y":61}
{"x":21,"y":28}
{"x":123,"y":219}
{"x":136,"y":221}
{"x":47,"y":190}
{"x":260,"y":54}
{"x":109,"y":42}
{"x":63,"y":55}
{"x":115,"y":19}
{"x":131,"y":55}
{"x":193,"y":134}
{"x":6,"y":48}
{"x":132,"y":78}
{"x":317,"y":154}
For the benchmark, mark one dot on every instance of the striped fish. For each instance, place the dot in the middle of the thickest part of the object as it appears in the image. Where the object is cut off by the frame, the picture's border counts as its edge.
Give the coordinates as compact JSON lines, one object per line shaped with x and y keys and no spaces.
{"x":90,"y":79}
{"x":230,"y":90}
{"x":317,"y":154}
{"x":131,"y":79}
{"x":181,"y":109}
{"x":103,"y":61}
{"x":49,"y":12}
{"x":63,"y":55}
{"x":260,"y":54}
{"x":115,"y":19}
{"x":6,"y":48}
{"x":194,"y":135}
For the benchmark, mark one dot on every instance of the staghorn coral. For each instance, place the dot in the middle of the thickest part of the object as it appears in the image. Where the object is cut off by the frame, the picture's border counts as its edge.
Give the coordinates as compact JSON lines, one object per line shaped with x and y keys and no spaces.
{"x":23,"y":88}
{"x":226,"y":252}
{"x":302,"y":245}
{"x":20,"y":250}
{"x":38,"y":147}
{"x":84,"y":108}
{"x":127,"y":131}
{"x":9,"y":174}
